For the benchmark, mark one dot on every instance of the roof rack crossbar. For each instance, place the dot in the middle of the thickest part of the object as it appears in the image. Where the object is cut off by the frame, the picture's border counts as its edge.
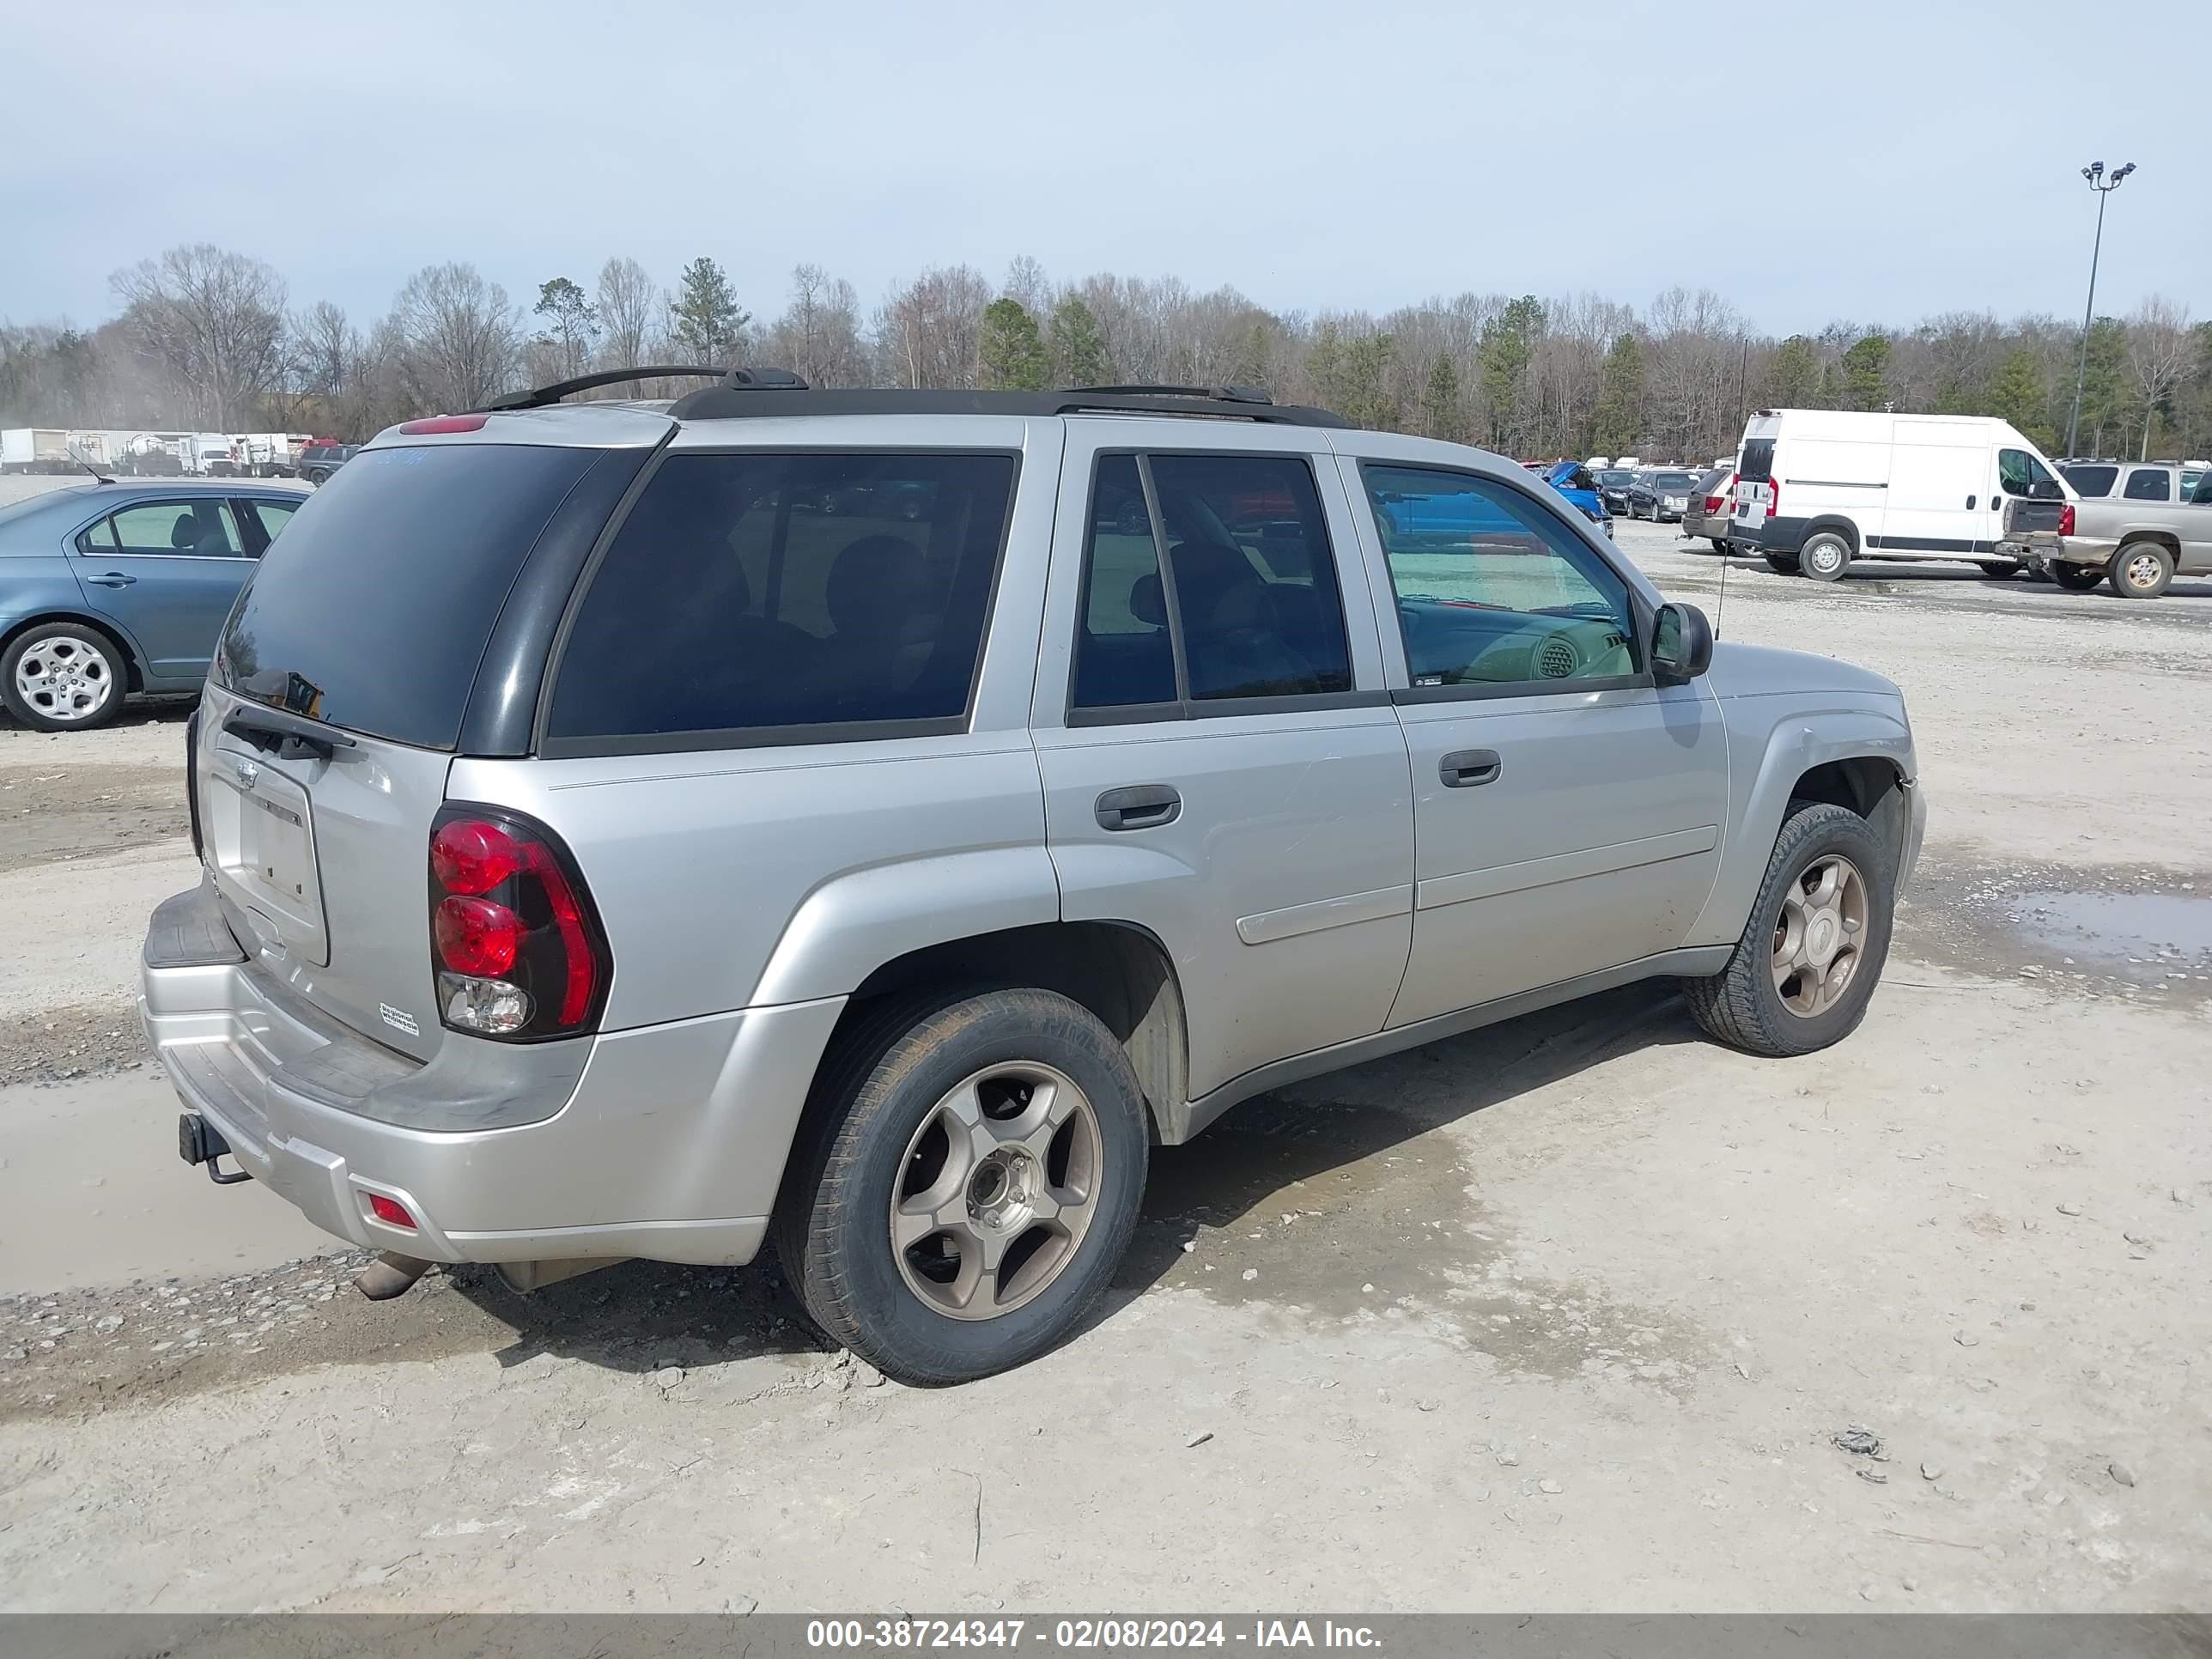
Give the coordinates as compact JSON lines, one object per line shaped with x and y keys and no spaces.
{"x":541,"y":396}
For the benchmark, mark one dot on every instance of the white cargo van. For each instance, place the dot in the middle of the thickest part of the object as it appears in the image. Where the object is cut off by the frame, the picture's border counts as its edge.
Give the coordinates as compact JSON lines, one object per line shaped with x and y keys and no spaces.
{"x":1818,"y":487}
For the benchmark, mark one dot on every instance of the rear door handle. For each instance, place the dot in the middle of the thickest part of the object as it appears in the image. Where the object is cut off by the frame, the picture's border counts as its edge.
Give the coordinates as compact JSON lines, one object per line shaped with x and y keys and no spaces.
{"x":1463,"y":769}
{"x":112,"y":579}
{"x":1970,"y":503}
{"x":1138,"y":807}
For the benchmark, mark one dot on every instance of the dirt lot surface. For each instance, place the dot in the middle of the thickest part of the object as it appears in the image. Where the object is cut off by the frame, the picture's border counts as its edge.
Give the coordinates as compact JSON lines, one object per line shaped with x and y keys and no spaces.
{"x":1577,"y":1312}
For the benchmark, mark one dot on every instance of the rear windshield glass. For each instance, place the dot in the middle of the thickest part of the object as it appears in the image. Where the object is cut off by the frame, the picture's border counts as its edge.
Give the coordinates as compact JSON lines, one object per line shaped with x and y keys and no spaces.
{"x":371,"y":610}
{"x":1673,"y":481}
{"x":2091,"y":480}
{"x":788,"y":598}
{"x":1757,"y":465}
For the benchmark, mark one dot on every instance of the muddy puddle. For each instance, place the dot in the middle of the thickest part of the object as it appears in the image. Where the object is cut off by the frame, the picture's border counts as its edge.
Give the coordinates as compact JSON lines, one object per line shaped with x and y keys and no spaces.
{"x":1329,"y":1209}
{"x":2133,"y":934}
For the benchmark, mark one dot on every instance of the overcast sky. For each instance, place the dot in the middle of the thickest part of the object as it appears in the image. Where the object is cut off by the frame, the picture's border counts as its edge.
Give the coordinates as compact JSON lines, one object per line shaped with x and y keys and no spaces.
{"x":1872,"y":161}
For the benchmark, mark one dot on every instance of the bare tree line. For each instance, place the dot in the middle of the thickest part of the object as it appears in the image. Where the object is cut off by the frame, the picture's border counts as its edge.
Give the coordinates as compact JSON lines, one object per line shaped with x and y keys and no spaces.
{"x":204,"y":337}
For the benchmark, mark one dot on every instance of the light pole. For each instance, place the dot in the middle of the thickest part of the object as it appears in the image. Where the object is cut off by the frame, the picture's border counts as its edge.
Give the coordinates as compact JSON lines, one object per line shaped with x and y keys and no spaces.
{"x":2094,"y":172}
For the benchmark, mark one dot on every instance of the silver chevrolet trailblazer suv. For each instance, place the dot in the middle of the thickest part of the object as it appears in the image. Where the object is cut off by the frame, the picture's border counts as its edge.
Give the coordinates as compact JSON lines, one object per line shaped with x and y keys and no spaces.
{"x":870,"y":820}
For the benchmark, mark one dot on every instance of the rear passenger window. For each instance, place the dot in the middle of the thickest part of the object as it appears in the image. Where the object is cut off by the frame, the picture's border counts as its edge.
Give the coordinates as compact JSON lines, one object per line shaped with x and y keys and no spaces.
{"x":1124,"y":657}
{"x":1249,"y":607}
{"x":799,"y":598}
{"x":2091,"y":481}
{"x":2149,"y":483}
{"x":203,"y":526}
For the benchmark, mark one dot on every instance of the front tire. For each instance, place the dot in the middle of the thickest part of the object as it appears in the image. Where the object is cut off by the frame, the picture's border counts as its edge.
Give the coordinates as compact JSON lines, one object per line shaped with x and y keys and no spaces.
{"x":2141,"y":570}
{"x":967,"y":1184}
{"x":2078,"y":578}
{"x":63,"y":677}
{"x":1814,"y":949}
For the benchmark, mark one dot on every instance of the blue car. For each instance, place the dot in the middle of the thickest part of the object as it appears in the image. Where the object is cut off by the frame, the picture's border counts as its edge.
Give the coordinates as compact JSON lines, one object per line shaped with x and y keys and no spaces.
{"x":108,"y":588}
{"x":1573,"y":480}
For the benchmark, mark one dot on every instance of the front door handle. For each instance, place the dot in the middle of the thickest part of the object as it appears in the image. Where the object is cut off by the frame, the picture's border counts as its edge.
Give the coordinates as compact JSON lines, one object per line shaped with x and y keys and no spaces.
{"x":1463,"y":769}
{"x":112,"y":579}
{"x":1970,"y":503}
{"x":1138,"y":807}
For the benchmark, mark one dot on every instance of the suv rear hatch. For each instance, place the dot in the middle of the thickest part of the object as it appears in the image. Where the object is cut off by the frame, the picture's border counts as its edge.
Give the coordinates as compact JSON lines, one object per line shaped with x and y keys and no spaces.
{"x":336,"y":702}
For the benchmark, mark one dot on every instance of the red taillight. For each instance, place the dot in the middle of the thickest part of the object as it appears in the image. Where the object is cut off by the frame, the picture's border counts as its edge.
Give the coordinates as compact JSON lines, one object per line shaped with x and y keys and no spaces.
{"x":1773,"y":496}
{"x":515,"y":946}
{"x":431,"y":424}
{"x":476,"y":936}
{"x":391,"y":1212}
{"x":2066,"y":519}
{"x":1712,"y":505}
{"x":470,"y":856}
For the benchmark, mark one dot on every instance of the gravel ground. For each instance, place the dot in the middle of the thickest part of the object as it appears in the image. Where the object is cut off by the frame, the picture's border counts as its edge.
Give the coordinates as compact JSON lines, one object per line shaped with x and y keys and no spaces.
{"x":1577,"y":1312}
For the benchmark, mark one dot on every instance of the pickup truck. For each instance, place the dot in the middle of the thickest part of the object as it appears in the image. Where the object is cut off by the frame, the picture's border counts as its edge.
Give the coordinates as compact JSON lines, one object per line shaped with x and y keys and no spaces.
{"x":2139,"y":541}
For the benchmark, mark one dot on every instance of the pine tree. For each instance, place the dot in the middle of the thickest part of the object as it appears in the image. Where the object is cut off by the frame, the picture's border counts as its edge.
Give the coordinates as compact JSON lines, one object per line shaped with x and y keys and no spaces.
{"x":1011,"y":356}
{"x":1507,"y":348}
{"x":1865,"y":369}
{"x":1444,"y":414}
{"x":708,"y":323}
{"x":1619,"y":420}
{"x":1796,"y":372}
{"x":2019,"y":396}
{"x":1078,"y":345}
{"x":571,"y":324}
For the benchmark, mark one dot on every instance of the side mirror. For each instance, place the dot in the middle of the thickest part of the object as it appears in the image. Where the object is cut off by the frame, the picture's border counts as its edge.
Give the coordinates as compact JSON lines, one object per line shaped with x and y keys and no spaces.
{"x":2045,"y":490}
{"x":1681,"y":643}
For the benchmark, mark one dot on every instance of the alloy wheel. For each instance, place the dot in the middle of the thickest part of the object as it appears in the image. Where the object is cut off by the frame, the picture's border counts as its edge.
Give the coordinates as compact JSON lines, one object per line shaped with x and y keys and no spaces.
{"x":1819,"y":935}
{"x":65,"y":678}
{"x":996,"y":1190}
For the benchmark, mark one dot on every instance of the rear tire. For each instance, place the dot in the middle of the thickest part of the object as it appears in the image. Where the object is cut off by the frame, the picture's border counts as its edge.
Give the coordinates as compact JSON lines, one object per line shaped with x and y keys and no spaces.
{"x":2078,"y":578}
{"x":63,"y":677}
{"x":1720,"y":545}
{"x":2140,"y":570}
{"x":934,"y":1092}
{"x":1783,"y":564}
{"x":1825,"y":555}
{"x":2001,"y":569}
{"x":1745,"y":1004}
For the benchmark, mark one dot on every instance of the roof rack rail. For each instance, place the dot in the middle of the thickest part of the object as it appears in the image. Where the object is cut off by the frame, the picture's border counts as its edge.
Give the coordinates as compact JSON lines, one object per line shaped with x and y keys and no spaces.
{"x":541,"y":396}
{"x":731,"y":403}
{"x":1227,"y":394}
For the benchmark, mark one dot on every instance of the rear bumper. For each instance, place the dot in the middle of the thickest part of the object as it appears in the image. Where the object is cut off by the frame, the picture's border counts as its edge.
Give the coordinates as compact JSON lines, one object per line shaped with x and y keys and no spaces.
{"x":667,"y":1141}
{"x":2045,"y":547}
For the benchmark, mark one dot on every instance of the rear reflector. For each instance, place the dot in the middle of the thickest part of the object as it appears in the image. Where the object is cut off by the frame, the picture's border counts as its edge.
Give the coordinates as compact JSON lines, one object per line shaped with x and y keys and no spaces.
{"x":391,"y":1212}
{"x":432,"y":424}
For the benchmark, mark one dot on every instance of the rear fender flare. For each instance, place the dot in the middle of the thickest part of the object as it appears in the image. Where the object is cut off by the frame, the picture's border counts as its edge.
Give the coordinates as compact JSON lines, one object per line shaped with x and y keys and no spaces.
{"x":853,"y":923}
{"x":1793,"y":749}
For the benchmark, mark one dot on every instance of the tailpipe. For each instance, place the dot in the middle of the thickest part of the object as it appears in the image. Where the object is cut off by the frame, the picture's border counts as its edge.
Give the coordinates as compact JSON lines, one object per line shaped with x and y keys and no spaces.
{"x":391,"y":1274}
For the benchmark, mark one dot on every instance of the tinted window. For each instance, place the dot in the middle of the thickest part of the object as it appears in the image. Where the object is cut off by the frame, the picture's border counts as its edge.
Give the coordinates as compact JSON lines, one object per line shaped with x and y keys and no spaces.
{"x":1254,"y":579}
{"x":203,"y":526}
{"x":2091,"y":481}
{"x":1491,"y":588}
{"x":1709,"y":481}
{"x":1757,"y":465}
{"x":1123,"y":654}
{"x":2203,"y":496}
{"x":373,"y":610}
{"x":2149,"y":483}
{"x":781,"y":591}
{"x":274,"y":516}
{"x":1674,"y":480}
{"x":2018,"y":471}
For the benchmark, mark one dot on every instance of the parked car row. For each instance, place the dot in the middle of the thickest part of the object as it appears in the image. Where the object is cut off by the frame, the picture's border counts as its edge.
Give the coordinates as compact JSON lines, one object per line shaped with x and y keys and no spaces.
{"x":56,"y":450}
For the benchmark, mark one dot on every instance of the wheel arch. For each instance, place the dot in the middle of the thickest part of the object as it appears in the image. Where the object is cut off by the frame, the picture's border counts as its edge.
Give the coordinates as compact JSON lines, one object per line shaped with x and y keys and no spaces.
{"x":1842,"y":523}
{"x":1118,"y":971}
{"x":1858,"y":759}
{"x":134,"y":677}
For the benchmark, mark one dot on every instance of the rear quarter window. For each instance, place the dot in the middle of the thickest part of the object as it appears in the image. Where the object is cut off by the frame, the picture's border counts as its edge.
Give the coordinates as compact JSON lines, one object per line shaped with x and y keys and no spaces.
{"x":371,"y":610}
{"x":759,"y":598}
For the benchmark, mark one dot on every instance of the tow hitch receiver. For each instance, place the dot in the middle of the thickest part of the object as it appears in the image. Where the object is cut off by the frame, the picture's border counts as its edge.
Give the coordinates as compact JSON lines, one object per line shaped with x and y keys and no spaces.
{"x":199,"y":1142}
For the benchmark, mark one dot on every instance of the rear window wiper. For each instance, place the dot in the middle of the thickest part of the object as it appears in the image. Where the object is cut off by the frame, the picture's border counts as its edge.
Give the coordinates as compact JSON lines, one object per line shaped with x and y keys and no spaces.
{"x":281,"y":732}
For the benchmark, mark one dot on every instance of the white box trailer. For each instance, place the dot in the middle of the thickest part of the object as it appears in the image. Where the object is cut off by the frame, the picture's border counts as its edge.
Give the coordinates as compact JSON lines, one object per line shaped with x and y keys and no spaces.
{"x":1819,"y":488}
{"x":38,"y":449}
